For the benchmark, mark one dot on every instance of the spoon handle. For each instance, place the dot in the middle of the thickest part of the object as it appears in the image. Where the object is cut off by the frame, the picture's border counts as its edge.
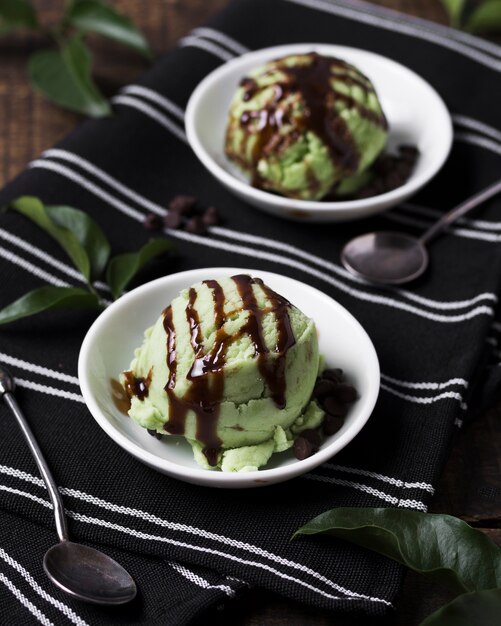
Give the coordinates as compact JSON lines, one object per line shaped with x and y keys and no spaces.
{"x":465,"y":207}
{"x":61,"y":525}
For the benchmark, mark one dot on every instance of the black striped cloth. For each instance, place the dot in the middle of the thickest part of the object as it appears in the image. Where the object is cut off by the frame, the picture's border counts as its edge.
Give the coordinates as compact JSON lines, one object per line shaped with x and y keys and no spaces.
{"x":190,"y":547}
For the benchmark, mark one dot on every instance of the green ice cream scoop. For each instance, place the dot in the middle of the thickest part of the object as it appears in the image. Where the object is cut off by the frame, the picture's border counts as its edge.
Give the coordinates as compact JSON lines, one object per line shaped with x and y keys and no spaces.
{"x":230,"y":365}
{"x":303,"y":124}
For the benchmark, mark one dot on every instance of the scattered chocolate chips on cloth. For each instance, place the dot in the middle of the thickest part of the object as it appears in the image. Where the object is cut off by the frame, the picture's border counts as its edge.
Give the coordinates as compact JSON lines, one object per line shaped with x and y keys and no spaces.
{"x":188,"y":547}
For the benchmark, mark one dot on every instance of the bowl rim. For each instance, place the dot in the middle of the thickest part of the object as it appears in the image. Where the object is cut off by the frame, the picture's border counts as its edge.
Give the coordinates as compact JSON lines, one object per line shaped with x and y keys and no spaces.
{"x":245,"y":189}
{"x":200,"y":475}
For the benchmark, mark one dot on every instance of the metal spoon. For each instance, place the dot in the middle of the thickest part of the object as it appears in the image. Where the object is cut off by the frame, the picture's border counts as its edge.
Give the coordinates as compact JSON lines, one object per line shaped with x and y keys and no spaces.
{"x":395,"y":258}
{"x":84,"y":573}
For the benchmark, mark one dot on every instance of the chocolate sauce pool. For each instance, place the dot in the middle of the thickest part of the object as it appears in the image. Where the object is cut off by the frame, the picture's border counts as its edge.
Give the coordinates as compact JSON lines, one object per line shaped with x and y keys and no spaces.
{"x":206,"y":391}
{"x":313,"y":82}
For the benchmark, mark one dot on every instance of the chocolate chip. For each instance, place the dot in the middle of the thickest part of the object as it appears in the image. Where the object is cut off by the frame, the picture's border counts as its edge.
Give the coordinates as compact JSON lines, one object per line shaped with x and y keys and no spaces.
{"x":324,"y":388}
{"x":173,"y":219}
{"x":195,"y":225}
{"x":183,"y":204}
{"x":395,"y":179}
{"x":211,"y":216}
{"x":365,"y":192}
{"x":377,"y":186}
{"x":303,"y":448}
{"x":332,"y":423}
{"x":313,"y":436}
{"x":154,"y":433}
{"x":384,"y":165}
{"x":152,"y":221}
{"x":334,"y":406}
{"x":408,"y":153}
{"x":346,"y":393}
{"x":335,"y":374}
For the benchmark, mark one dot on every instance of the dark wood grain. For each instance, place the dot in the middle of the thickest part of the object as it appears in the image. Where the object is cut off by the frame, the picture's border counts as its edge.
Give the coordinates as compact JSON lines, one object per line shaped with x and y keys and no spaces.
{"x":470,"y":487}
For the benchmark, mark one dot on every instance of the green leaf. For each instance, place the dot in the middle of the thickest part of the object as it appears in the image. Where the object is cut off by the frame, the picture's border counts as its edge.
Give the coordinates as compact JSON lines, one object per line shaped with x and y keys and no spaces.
{"x":123,"y":268}
{"x":440,"y":546}
{"x":454,"y":10}
{"x":98,"y":17}
{"x":33,"y":209}
{"x":486,"y":18}
{"x":16,"y":14}
{"x":480,"y":608}
{"x":64,"y":76}
{"x":48,"y":298}
{"x":90,"y":236}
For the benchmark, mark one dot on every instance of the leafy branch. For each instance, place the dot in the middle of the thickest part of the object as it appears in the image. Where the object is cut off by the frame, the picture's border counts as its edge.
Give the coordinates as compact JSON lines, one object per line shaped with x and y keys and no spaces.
{"x":63,"y":73}
{"x":441,"y":547}
{"x":475,"y":17}
{"x":88,"y":249}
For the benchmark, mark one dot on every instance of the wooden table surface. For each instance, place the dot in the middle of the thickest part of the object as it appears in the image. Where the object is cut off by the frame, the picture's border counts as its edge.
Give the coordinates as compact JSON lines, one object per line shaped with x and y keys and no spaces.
{"x":470,"y":487}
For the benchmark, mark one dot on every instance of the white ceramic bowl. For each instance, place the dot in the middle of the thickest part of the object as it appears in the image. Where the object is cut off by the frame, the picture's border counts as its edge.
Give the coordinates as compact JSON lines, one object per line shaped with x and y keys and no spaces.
{"x":109,"y":345}
{"x":416,"y":115}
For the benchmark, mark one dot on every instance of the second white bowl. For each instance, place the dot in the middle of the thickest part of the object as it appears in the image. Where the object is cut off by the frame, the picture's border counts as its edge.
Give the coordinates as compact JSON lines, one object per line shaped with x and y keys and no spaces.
{"x":416,"y":115}
{"x":109,"y":345}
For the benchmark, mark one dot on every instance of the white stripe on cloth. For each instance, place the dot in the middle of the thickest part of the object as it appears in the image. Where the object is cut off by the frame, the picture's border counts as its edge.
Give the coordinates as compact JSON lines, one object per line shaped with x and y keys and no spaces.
{"x":340,"y":271}
{"x":51,"y":391}
{"x":198,"y":580}
{"x":253,"y":253}
{"x":249,"y":238}
{"x":106,"y":178}
{"x":222,"y":38}
{"x":481,"y":127}
{"x":477,"y":140}
{"x":415,"y":504}
{"x":14,"y":258}
{"x":19,"y":474}
{"x":26,"y":494}
{"x":44,"y":256}
{"x":350,"y":595}
{"x":446,"y":395}
{"x":65,"y":609}
{"x":452,"y":230}
{"x":426,"y":385}
{"x":420,"y":24}
{"x":154,"y":96}
{"x":414,"y":25}
{"x":173,"y":526}
{"x":35,"y":611}
{"x":355,"y":293}
{"x":149,"y":111}
{"x":387,"y":479}
{"x":37,"y":369}
{"x":435,"y":213}
{"x":406,"y":28}
{"x":207,"y":46}
{"x":78,"y":179}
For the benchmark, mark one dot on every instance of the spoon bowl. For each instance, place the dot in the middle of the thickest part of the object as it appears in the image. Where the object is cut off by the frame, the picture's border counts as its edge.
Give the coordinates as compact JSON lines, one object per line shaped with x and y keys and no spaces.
{"x":394,"y":258}
{"x":82,"y":572}
{"x":385,"y":257}
{"x":88,"y":575}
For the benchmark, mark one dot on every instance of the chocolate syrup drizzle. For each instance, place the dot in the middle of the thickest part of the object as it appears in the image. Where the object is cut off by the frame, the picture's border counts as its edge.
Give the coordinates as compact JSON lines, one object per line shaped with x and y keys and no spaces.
{"x":119,"y":396}
{"x":313,"y":81}
{"x":207,"y":371}
{"x":137,"y":385}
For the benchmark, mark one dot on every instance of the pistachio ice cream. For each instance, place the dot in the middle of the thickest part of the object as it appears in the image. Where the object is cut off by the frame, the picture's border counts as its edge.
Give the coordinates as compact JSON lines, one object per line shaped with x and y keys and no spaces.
{"x":230,"y":365}
{"x":305,"y":124}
